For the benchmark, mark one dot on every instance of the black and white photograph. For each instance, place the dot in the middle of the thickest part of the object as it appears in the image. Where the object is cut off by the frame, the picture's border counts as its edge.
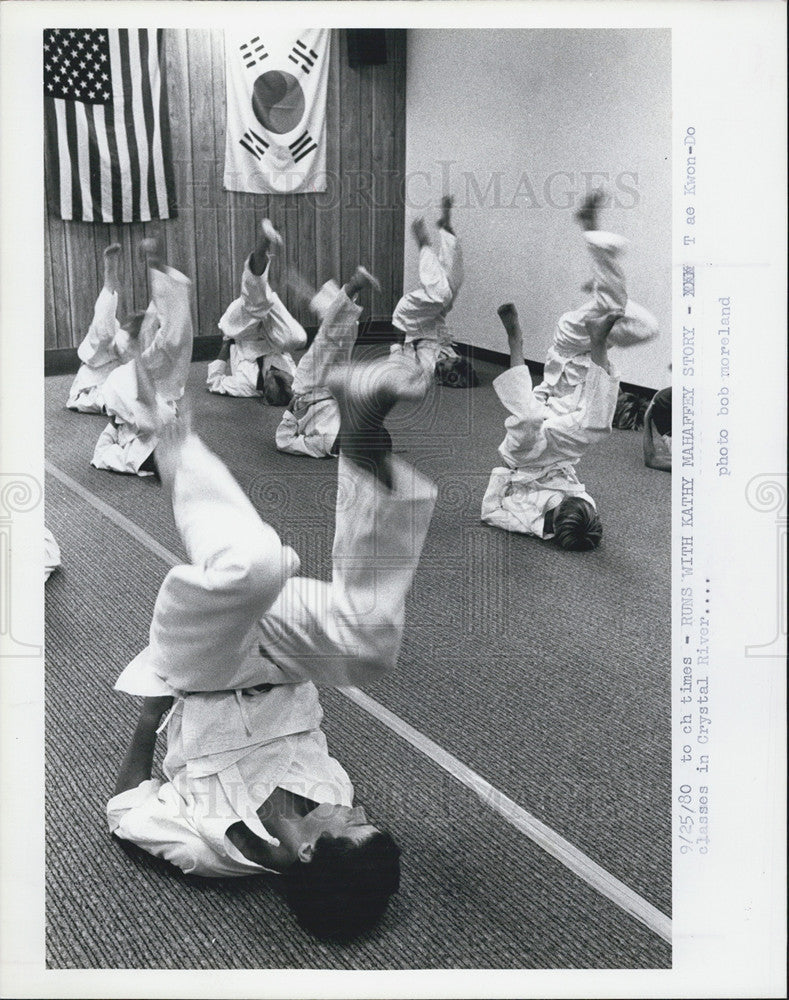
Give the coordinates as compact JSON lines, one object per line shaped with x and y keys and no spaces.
{"x":407,"y":553}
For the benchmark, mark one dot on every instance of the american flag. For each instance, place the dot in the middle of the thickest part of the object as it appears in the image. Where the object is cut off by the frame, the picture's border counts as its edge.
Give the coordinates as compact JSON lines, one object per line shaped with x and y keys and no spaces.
{"x":107,"y":125}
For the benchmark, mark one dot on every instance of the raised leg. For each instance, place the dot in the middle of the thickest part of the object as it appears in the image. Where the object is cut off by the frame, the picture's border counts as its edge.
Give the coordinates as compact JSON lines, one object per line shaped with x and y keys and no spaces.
{"x":508,"y":315}
{"x":112,"y":257}
{"x":445,"y":219}
{"x":336,"y":335}
{"x":150,"y":253}
{"x":365,"y":394}
{"x":269,"y":240}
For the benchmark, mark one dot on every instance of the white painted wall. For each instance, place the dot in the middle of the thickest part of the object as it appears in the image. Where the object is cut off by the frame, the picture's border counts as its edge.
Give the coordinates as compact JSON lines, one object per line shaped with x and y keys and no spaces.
{"x":516,"y":125}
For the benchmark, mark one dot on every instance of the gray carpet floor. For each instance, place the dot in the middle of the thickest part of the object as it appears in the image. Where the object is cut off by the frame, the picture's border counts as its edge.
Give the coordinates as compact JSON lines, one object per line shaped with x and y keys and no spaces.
{"x":546,"y":672}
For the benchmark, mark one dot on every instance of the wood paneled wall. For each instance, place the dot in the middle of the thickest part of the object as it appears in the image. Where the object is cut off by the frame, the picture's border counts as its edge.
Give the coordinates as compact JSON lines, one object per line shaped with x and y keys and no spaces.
{"x":359,"y":219}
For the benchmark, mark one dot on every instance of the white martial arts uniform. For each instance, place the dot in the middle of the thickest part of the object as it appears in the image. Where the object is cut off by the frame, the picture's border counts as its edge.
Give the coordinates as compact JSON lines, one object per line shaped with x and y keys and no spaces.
{"x":542,"y":445}
{"x":126,"y":442}
{"x":236,"y":617}
{"x":568,"y":357}
{"x":260,"y":326}
{"x":226,"y":754}
{"x":311,"y":423}
{"x":104,"y":348}
{"x":421,"y":314}
{"x":661,"y":444}
{"x":51,"y":554}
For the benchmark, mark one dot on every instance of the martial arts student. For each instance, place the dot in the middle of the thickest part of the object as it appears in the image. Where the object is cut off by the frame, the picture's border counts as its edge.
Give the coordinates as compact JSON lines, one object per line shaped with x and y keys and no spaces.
{"x":311,"y":423}
{"x":250,"y":784}
{"x":51,"y":554}
{"x":107,"y":344}
{"x":420,"y":315}
{"x":259,"y":334}
{"x":126,"y":444}
{"x":569,"y":355}
{"x":657,"y":432}
{"x":538,"y":492}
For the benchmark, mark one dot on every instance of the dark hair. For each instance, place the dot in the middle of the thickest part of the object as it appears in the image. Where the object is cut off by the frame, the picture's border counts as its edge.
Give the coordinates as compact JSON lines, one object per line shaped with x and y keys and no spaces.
{"x":276,"y":386}
{"x":661,"y":411}
{"x":576,"y":525}
{"x":630,"y":410}
{"x":344,"y":889}
{"x":456,"y":373}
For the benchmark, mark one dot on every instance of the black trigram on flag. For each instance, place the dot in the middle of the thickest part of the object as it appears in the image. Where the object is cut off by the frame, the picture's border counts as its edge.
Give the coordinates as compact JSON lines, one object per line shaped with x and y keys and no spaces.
{"x":303,"y":56}
{"x":302,"y":146}
{"x":254,"y":143}
{"x":253,"y":51}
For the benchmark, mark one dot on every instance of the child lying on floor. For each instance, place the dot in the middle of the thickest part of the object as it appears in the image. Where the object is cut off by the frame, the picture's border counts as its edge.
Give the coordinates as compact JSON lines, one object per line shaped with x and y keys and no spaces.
{"x":420,"y":315}
{"x":126,"y":444}
{"x":259,"y":334}
{"x":107,"y":344}
{"x":537,"y":492}
{"x":236,"y":638}
{"x":311,"y":423}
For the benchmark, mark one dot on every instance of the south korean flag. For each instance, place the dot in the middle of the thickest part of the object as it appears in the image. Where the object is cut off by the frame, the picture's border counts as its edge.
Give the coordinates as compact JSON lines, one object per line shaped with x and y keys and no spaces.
{"x":276,"y":110}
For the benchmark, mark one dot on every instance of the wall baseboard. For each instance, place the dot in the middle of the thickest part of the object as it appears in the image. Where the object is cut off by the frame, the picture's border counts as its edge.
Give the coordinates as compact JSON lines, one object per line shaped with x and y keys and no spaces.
{"x":61,"y":361}
{"x":64,"y":361}
{"x":536,"y":367}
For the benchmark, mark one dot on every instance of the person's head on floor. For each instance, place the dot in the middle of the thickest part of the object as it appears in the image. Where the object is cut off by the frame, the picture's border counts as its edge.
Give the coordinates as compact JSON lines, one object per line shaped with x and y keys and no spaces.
{"x":277,"y":387}
{"x":576,"y":525}
{"x":660,"y":411}
{"x":344,"y":872}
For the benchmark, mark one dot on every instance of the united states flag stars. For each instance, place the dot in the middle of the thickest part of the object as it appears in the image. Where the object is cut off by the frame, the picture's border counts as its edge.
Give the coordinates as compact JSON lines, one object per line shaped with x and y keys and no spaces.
{"x":77,"y":65}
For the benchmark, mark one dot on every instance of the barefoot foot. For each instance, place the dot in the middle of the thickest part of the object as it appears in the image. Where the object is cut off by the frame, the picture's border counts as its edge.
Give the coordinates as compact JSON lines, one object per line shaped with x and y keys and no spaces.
{"x":419,"y":229}
{"x":359,"y":280}
{"x":507,"y":312}
{"x":600,"y":327}
{"x":445,"y":220}
{"x":586,"y":216}
{"x":150,"y":253}
{"x":270,"y":234}
{"x":269,"y":241}
{"x":508,"y":315}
